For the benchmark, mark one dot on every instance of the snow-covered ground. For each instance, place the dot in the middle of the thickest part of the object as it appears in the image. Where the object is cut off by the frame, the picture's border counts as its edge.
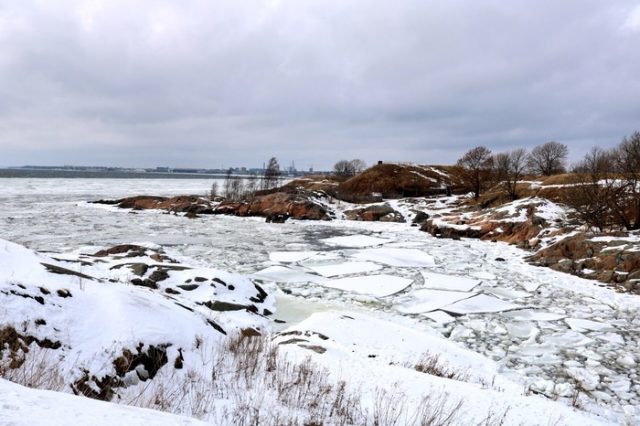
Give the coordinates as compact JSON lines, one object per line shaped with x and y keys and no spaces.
{"x":20,"y":406}
{"x":548,"y":333}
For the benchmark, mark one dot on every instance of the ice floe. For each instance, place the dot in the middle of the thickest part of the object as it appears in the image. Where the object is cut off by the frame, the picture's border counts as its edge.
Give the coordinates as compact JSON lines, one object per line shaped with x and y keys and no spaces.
{"x":345,"y":268}
{"x":480,"y":304}
{"x":448,"y":282}
{"x":355,"y":241}
{"x":426,"y":300}
{"x":396,"y":257}
{"x":287,"y":275}
{"x":372,"y":285}
{"x":290,"y":256}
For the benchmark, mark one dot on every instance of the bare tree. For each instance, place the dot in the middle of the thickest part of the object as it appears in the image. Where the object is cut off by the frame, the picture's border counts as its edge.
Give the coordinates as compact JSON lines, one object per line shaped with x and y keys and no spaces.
{"x":510,"y":167}
{"x":548,"y":159}
{"x":271,"y":174}
{"x":591,"y":197}
{"x":476,"y":165}
{"x":251,"y":186}
{"x":627,"y":162}
{"x":213,"y":192}
{"x":226,"y":187}
{"x":344,"y":169}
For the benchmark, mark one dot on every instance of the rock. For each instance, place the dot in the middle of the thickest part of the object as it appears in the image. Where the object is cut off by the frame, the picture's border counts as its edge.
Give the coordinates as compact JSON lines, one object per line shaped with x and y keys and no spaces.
{"x":375,"y":213}
{"x":279,"y":206}
{"x":420,"y":217}
{"x":138,"y":268}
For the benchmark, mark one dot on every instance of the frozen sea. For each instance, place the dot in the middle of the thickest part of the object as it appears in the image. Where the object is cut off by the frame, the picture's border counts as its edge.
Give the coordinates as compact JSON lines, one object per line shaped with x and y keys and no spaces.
{"x":560,"y":335}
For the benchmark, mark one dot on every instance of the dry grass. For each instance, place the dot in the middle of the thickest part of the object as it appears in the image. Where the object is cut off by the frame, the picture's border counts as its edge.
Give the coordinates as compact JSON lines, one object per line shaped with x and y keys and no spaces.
{"x":392,"y":181}
{"x":431,"y":364}
{"x":248,"y":381}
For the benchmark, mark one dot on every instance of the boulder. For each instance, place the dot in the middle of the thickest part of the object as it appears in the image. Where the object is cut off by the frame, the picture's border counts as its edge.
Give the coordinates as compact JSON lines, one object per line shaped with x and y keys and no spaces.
{"x":375,"y":213}
{"x":277,"y":207}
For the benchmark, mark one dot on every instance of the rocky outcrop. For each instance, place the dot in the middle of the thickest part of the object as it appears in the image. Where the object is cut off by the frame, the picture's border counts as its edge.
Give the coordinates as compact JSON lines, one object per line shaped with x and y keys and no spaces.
{"x":190,"y":204}
{"x":375,"y":213}
{"x":276,"y":206}
{"x":391,"y":181}
{"x":612,"y":261}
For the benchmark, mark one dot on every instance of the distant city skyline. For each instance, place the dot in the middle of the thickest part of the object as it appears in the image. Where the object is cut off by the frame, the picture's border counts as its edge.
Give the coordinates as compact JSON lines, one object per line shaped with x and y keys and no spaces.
{"x":214,"y":83}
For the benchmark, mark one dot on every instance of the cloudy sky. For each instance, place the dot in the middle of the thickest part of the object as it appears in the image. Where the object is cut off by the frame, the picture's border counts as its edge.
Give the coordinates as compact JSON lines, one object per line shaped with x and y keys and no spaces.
{"x":228,"y":83}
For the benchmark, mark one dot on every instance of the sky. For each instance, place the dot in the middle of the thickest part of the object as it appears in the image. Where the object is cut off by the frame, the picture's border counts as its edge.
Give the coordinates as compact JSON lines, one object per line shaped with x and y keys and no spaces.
{"x":222,"y":83}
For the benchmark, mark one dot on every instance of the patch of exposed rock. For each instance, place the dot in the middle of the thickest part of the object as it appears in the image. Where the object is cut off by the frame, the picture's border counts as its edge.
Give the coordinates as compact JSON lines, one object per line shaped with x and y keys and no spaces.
{"x":277,"y":207}
{"x":615,"y":261}
{"x":375,"y":213}
{"x":190,"y":204}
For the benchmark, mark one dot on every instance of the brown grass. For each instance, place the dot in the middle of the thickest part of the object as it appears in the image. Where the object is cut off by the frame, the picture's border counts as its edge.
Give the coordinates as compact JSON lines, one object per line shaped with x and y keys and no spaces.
{"x":392,"y":181}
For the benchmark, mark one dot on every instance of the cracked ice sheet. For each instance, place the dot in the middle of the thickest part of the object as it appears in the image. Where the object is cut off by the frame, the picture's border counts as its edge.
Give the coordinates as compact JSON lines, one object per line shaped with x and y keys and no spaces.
{"x":448,"y":282}
{"x":480,"y":304}
{"x":578,"y":324}
{"x":372,"y":285}
{"x":533,"y":315}
{"x":426,"y":300}
{"x":355,"y":241}
{"x":397,"y":257}
{"x":290,"y":256}
{"x":287,"y":275}
{"x":345,"y":268}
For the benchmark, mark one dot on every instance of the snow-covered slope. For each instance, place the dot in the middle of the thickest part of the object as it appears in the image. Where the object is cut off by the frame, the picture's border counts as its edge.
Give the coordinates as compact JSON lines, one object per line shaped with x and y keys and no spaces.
{"x":20,"y":406}
{"x":115,"y":318}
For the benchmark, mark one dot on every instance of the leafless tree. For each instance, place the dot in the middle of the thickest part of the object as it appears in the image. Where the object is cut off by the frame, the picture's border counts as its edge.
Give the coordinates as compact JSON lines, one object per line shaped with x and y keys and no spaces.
{"x":213,"y":192}
{"x":548,"y":159}
{"x":592,"y":195}
{"x":476,"y":165}
{"x":226,"y":186}
{"x":509,"y":169}
{"x":344,"y":169}
{"x":271,"y":174}
{"x":627,"y":162}
{"x":251,"y":186}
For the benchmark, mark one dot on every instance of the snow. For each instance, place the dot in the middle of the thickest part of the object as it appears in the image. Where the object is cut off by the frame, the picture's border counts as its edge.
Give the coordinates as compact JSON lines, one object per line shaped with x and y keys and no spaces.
{"x":45,"y":214}
{"x":373,"y":285}
{"x":368,"y":351}
{"x":448,"y":282}
{"x":480,"y":304}
{"x":396,"y":257}
{"x":20,"y":406}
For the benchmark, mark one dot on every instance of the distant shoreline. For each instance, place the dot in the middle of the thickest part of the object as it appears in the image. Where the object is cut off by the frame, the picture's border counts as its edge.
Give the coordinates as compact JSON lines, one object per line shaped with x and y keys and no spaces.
{"x":53,"y":173}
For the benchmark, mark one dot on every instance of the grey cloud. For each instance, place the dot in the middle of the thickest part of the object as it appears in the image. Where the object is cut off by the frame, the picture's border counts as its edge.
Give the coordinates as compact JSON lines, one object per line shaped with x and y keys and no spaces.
{"x":204,"y":83}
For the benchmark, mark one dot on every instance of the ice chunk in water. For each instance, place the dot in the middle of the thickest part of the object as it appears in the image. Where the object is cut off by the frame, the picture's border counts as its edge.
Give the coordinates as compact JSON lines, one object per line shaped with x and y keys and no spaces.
{"x":426,"y":300}
{"x":287,"y":275}
{"x":448,"y":282}
{"x":355,"y":241}
{"x":290,"y":256}
{"x":480,"y":304}
{"x":345,"y":268}
{"x":533,"y":315}
{"x":397,"y":257}
{"x":373,"y":285}
{"x":439,"y":317}
{"x":587,"y":325}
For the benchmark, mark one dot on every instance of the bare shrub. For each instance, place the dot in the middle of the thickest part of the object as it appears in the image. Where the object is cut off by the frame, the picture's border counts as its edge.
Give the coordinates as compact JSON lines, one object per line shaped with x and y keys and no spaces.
{"x":40,"y":370}
{"x":431,"y":364}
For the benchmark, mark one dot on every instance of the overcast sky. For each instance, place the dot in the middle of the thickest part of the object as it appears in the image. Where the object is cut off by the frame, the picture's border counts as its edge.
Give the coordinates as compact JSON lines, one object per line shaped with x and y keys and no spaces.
{"x":231,"y":83}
